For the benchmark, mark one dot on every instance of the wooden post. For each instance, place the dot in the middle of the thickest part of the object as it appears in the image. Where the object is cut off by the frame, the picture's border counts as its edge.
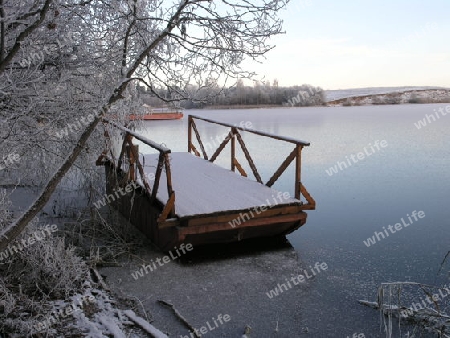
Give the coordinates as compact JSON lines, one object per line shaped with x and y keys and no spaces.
{"x":298,"y":172}
{"x":157,"y":177}
{"x":189,"y":133}
{"x":170,"y":191}
{"x":123,"y":151}
{"x":133,"y":166}
{"x":131,"y":158}
{"x":233,"y":149}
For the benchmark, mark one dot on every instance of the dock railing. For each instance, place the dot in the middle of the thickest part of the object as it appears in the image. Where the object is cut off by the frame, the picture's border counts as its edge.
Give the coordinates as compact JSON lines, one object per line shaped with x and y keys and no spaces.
{"x":131,"y":152}
{"x":235,"y":135}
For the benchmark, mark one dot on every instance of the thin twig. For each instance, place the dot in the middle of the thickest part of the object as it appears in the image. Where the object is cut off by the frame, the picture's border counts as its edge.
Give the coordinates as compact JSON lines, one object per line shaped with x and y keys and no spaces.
{"x":180,"y":317}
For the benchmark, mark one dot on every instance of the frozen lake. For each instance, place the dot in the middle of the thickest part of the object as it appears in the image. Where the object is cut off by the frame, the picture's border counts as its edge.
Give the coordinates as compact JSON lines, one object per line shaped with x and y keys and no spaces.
{"x":377,"y":189}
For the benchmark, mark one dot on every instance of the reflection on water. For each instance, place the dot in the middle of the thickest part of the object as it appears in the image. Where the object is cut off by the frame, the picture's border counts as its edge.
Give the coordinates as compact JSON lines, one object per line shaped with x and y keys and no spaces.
{"x":411,"y":173}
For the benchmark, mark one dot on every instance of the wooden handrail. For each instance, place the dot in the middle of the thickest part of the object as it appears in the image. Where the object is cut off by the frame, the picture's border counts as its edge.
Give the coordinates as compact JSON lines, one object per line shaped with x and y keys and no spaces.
{"x":257,"y":132}
{"x":233,"y":136}
{"x":163,"y":163}
{"x":143,"y":139}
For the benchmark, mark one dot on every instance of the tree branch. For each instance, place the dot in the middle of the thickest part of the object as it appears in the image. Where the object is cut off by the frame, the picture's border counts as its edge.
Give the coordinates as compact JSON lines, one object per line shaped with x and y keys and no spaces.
{"x":15,"y":49}
{"x":2,"y":31}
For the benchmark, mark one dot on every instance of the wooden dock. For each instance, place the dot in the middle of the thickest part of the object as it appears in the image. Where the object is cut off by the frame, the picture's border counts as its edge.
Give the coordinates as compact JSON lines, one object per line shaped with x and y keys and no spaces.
{"x":183,"y":198}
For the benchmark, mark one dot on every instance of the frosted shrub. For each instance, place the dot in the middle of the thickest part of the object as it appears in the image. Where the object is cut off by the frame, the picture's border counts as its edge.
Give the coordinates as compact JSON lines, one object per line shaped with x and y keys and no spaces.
{"x":56,"y":270}
{"x":33,"y":276}
{"x":7,"y":299}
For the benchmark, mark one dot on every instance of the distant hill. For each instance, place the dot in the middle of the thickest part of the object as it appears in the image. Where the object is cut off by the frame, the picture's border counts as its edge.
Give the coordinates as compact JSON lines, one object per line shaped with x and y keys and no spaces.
{"x":386,"y":95}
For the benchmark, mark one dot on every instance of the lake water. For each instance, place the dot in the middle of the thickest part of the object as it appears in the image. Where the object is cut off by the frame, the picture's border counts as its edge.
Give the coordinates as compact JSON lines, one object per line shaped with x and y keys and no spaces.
{"x":410,"y":173}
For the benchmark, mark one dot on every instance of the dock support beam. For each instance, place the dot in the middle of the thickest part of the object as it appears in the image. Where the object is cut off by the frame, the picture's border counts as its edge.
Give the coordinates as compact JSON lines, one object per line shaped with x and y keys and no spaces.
{"x":298,"y":171}
{"x":233,"y":149}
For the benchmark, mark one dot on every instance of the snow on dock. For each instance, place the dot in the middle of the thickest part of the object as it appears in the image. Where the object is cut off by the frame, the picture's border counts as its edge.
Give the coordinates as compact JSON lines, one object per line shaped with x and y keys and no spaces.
{"x":202,"y":187}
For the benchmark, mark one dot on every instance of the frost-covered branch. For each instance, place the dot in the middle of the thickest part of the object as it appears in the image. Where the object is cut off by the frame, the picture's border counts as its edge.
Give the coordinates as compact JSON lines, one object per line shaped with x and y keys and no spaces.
{"x":69,"y":63}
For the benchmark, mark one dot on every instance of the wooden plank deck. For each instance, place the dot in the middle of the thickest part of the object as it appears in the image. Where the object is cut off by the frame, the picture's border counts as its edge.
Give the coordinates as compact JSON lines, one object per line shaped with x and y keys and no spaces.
{"x":203,"y":188}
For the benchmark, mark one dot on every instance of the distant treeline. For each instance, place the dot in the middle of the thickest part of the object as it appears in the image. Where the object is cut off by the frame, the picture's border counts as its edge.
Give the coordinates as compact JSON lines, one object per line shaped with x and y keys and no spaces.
{"x":240,"y":95}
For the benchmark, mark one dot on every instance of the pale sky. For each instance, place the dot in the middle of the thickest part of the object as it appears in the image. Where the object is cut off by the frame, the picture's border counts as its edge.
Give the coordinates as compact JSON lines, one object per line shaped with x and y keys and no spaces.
{"x":362,"y":43}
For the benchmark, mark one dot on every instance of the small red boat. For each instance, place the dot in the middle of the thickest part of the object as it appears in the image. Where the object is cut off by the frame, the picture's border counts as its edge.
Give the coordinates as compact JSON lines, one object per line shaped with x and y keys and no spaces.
{"x":160,"y":114}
